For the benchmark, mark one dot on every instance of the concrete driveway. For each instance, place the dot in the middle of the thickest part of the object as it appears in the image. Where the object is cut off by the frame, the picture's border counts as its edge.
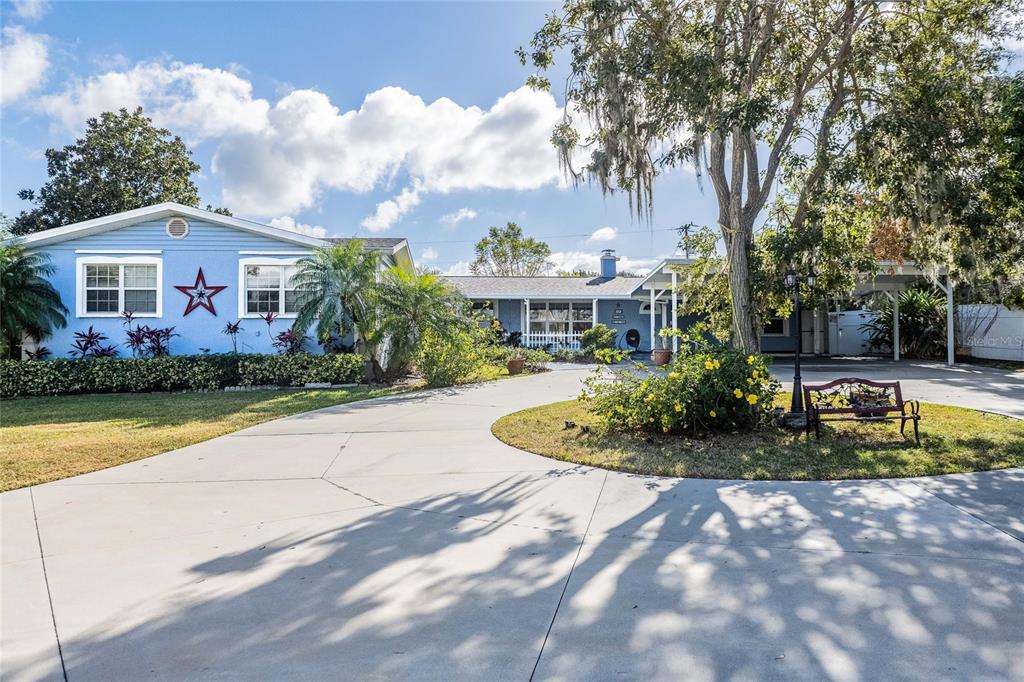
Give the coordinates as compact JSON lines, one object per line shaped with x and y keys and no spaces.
{"x":397,"y":539}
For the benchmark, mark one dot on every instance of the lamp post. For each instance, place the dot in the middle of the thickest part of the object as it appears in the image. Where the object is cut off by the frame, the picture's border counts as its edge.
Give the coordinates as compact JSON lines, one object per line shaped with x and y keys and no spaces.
{"x":793,"y":282}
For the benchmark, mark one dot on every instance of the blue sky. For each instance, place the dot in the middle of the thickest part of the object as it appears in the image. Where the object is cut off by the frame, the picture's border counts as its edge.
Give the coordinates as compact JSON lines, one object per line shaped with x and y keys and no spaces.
{"x":389,"y":119}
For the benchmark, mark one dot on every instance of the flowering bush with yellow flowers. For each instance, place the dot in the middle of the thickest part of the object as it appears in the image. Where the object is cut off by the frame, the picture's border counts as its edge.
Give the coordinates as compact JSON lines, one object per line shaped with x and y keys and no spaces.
{"x":706,"y":388}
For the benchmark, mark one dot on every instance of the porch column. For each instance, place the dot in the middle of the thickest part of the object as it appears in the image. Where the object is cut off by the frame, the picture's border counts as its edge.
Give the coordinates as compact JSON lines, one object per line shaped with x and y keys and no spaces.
{"x":895,"y":325}
{"x":593,"y":321}
{"x":950,"y":336}
{"x":526,"y":324}
{"x":652,"y":319}
{"x":675,"y":322}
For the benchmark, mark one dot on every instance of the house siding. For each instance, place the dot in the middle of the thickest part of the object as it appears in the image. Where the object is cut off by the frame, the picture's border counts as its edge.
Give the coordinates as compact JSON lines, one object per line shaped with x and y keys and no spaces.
{"x":214,"y":248}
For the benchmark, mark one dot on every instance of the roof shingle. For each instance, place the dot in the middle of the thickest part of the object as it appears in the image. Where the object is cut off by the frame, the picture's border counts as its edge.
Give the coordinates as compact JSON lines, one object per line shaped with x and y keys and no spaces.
{"x":373,"y":243}
{"x":540,"y":287}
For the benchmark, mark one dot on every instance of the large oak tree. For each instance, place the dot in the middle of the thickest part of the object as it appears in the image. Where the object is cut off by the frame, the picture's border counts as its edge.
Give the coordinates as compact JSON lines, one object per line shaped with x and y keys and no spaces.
{"x":756,"y":94}
{"x":123,"y":162}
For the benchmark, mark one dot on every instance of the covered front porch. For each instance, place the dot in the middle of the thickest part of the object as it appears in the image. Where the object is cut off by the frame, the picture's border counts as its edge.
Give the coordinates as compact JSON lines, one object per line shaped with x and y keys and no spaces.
{"x":559,"y":323}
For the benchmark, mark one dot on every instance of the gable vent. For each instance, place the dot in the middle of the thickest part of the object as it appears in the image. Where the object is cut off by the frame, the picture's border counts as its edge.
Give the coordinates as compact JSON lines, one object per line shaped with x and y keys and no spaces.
{"x":177,"y":227}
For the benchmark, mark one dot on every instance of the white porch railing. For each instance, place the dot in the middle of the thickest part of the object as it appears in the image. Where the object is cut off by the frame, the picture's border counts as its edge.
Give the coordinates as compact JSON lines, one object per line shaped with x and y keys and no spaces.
{"x":554,"y":339}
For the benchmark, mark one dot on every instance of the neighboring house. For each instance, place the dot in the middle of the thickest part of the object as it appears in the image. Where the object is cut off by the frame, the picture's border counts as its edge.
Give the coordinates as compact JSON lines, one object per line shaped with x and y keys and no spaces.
{"x":182,"y":267}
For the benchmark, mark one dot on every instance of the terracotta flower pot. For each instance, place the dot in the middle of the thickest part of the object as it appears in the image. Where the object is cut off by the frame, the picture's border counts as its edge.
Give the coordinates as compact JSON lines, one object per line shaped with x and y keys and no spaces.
{"x":661,"y":356}
{"x":516,"y":366}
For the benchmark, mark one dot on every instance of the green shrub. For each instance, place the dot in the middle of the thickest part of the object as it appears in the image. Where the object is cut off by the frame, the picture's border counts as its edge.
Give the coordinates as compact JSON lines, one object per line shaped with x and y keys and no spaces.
{"x":922,"y":324}
{"x":598,"y":336}
{"x":173,"y":373}
{"x":450,"y":359}
{"x":706,"y":388}
{"x":296,"y":369}
{"x":570,"y":355}
{"x":499,"y":355}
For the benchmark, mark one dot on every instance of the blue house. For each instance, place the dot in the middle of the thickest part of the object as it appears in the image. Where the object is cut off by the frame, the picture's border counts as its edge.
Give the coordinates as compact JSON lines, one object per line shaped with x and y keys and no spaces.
{"x":175,"y":266}
{"x":555,"y":311}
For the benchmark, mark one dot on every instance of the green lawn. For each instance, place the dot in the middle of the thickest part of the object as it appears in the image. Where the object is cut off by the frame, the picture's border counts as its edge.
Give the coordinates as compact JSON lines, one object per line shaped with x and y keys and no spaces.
{"x":953,"y":440}
{"x":45,"y":439}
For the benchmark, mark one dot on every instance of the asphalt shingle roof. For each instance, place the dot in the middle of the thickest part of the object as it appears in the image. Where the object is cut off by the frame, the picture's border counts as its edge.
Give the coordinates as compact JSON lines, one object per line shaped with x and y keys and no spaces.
{"x":545,"y":287}
{"x":373,"y":243}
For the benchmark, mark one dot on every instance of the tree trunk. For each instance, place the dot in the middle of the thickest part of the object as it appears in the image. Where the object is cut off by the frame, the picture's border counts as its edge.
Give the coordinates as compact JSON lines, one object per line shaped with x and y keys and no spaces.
{"x":744,"y":316}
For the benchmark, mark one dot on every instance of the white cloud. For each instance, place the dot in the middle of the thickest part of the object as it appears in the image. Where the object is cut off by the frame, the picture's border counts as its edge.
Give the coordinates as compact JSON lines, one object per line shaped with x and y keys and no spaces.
{"x":24,"y":59}
{"x":31,"y":10}
{"x":584,"y":260}
{"x":603,"y":234}
{"x":278,"y":158}
{"x":457,"y":217}
{"x":428,"y":254}
{"x":309,"y":146}
{"x":191,"y":100}
{"x":391,"y":211}
{"x":288,"y":223}
{"x":460,"y":268}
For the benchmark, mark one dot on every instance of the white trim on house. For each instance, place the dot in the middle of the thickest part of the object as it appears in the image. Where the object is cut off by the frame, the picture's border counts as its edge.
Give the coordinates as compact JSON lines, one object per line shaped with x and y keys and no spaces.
{"x":243,"y":263}
{"x":82,"y":261}
{"x":124,"y":251}
{"x":164,"y":210}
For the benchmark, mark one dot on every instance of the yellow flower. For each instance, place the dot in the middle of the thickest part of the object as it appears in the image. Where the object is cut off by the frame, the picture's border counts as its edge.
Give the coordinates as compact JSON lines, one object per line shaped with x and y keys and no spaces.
{"x":679,"y":408}
{"x":738,"y":393}
{"x":717,"y":364}
{"x":750,"y":359}
{"x":664,"y":429}
{"x":709,"y":364}
{"x":651,"y":420}
{"x":673,"y":375}
{"x":609,"y":413}
{"x":686,"y":337}
{"x":713,"y":413}
{"x":752,"y":399}
{"x":750,"y":382}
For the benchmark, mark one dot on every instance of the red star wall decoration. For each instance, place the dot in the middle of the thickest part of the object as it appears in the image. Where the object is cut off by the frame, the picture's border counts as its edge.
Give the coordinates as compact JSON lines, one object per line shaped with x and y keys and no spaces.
{"x":200,"y":294}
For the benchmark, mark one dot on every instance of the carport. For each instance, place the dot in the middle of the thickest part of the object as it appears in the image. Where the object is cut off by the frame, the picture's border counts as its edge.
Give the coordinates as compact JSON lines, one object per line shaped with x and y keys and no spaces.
{"x":891,"y":278}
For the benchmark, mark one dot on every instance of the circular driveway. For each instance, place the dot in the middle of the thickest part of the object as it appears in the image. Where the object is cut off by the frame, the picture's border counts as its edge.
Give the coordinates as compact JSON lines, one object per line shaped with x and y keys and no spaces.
{"x":397,"y":539}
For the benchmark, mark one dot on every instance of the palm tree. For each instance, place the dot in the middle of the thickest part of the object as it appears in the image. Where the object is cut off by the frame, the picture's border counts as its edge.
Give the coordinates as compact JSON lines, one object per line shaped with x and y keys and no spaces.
{"x":29,"y":305}
{"x":336,"y":286}
{"x":411,"y":304}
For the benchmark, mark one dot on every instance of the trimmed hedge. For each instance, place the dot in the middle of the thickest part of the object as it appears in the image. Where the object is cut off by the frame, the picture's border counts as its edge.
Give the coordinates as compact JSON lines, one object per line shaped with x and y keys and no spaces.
{"x":174,"y":373}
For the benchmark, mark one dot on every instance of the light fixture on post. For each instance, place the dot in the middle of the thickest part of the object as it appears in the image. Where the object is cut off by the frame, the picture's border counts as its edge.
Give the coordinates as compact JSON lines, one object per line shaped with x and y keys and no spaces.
{"x":792,"y":282}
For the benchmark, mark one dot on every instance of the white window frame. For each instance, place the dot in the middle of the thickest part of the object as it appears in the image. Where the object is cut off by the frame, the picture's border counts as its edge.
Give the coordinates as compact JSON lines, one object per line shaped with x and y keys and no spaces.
{"x":82,"y":261}
{"x":244,"y":263}
{"x":545,"y":305}
{"x":785,"y":328}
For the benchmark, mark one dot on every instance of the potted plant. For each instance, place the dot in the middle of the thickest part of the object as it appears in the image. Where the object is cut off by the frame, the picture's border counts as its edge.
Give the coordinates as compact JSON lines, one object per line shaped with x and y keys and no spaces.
{"x":516,"y":362}
{"x":663,"y":356}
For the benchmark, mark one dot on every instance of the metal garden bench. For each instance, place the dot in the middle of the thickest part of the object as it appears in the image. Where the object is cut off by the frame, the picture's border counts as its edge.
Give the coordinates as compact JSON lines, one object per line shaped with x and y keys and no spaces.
{"x":862,"y":400}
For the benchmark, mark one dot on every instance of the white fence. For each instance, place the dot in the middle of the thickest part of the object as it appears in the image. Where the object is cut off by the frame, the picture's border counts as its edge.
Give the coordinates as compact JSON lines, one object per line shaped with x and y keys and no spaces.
{"x":993,"y":332}
{"x":554,"y":339}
